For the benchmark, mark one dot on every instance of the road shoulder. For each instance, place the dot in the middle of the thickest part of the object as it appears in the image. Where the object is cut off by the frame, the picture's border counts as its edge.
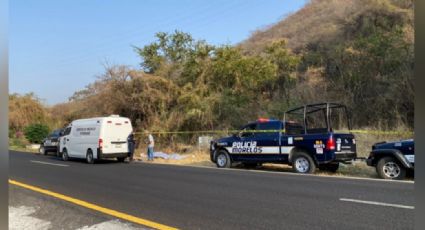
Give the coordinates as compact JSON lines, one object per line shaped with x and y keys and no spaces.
{"x":28,"y":208}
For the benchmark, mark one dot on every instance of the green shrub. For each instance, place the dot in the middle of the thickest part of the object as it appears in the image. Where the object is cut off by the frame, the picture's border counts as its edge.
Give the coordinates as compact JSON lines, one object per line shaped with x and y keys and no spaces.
{"x":35,"y":133}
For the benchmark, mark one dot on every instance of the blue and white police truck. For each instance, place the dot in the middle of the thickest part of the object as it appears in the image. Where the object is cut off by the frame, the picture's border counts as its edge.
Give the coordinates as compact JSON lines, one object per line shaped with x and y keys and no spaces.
{"x":309,"y":137}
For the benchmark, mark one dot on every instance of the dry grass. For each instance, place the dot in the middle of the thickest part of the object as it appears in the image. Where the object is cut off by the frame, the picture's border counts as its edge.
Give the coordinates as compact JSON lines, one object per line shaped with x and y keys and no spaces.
{"x":364,"y":142}
{"x":19,"y":144}
{"x":357,"y":169}
{"x":319,"y":21}
{"x":23,"y":149}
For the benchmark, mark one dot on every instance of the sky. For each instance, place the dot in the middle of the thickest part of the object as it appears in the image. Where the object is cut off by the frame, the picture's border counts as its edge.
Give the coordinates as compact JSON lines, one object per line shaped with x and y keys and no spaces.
{"x":58,"y":47}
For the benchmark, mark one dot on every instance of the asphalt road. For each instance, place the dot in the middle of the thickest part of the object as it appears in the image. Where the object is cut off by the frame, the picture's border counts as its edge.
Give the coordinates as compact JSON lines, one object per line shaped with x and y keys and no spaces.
{"x":209,"y":198}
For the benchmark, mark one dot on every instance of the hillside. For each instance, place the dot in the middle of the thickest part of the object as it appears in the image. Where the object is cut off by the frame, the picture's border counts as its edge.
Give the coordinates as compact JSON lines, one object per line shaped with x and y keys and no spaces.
{"x":359,"y":52}
{"x":323,"y":21}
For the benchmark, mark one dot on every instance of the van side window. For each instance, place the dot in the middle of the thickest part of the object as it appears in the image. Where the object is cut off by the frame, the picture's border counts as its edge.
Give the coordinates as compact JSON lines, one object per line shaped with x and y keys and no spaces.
{"x":67,"y":131}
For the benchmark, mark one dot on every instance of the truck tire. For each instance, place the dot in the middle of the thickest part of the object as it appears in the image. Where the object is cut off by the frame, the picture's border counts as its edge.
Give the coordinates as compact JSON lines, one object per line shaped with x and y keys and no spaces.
{"x":330,"y":167}
{"x":390,"y":168}
{"x":303,"y":163}
{"x":223,"y":159}
{"x":89,"y":157}
{"x":65,"y":156}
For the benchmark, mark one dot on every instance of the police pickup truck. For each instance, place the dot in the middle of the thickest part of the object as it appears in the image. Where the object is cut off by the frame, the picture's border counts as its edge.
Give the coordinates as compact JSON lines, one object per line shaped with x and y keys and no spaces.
{"x":305,"y":139}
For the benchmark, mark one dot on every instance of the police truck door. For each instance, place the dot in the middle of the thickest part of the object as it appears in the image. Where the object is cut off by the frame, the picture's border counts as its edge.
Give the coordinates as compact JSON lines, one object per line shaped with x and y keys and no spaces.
{"x":261,"y":145}
{"x":268,"y":139}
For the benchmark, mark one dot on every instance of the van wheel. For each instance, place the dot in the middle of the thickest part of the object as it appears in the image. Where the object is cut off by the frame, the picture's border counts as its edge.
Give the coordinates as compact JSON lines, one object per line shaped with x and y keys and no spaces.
{"x":89,"y":157}
{"x":121,"y":159}
{"x":390,"y":168}
{"x":303,"y":163}
{"x":223,"y":159}
{"x":65,"y":156}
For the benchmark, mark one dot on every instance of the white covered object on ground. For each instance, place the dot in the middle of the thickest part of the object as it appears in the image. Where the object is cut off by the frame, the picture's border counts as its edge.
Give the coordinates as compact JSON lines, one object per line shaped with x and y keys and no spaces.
{"x":173,"y":156}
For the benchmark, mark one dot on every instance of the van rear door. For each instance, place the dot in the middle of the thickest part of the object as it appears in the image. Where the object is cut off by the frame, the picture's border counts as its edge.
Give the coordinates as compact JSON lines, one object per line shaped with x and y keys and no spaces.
{"x":115,"y":132}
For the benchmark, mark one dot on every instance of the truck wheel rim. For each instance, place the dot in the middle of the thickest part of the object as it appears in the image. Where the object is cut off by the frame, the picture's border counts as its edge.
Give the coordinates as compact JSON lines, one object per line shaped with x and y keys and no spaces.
{"x":89,"y":158}
{"x":221,"y":160}
{"x":302,"y":165}
{"x":391,"y":170}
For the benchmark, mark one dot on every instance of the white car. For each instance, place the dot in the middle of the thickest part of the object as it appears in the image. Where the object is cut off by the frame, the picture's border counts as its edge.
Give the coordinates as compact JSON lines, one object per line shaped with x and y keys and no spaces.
{"x":96,"y":138}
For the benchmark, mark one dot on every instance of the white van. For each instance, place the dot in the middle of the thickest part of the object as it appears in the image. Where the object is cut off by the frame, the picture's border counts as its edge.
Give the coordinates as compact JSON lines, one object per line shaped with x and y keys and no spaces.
{"x":96,"y":138}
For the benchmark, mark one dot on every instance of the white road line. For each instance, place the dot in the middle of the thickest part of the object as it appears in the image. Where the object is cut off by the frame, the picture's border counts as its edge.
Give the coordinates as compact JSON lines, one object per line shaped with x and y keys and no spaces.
{"x":377,"y":203}
{"x":47,"y":163}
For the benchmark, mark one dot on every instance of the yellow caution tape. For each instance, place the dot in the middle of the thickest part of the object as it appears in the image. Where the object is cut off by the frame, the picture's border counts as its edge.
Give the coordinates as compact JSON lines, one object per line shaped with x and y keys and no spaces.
{"x":383,"y":132}
{"x":273,"y":131}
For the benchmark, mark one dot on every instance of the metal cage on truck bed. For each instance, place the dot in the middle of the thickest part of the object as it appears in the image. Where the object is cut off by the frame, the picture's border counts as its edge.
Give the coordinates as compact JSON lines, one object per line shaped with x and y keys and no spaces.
{"x":325,"y":109}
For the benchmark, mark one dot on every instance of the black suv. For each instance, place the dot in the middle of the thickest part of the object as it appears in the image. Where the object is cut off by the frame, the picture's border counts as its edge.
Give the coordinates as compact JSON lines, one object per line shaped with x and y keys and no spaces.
{"x":393,"y":160}
{"x":51,"y":142}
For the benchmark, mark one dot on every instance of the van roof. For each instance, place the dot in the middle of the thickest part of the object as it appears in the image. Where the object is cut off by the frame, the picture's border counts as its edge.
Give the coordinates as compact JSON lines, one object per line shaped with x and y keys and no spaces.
{"x":100,"y":118}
